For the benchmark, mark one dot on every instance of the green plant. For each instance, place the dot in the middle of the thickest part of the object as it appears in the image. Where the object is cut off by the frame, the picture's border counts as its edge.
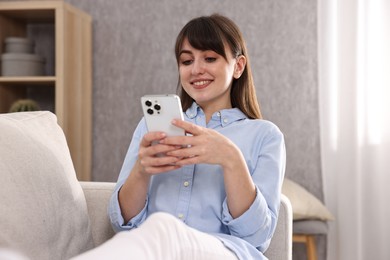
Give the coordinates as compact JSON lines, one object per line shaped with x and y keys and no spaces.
{"x":24,"y":105}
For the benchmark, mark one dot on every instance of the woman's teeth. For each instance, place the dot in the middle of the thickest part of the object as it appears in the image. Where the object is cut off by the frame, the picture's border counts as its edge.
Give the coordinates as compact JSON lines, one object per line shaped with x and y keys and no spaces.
{"x":200,"y":83}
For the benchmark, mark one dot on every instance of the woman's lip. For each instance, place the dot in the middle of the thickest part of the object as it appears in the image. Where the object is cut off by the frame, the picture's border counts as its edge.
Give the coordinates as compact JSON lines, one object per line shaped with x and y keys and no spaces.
{"x":199,"y":84}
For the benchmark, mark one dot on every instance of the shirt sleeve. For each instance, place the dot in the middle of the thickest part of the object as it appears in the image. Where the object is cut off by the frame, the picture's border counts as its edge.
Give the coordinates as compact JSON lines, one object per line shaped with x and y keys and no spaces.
{"x":258,"y":223}
{"x":114,"y":211}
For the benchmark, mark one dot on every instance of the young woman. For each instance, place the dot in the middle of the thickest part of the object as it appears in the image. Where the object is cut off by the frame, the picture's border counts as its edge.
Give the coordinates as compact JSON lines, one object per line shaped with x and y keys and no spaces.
{"x":217,"y":198}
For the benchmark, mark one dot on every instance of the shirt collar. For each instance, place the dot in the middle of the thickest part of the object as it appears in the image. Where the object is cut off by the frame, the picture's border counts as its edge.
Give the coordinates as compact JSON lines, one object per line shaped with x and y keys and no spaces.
{"x":193,"y":110}
{"x":223,"y":117}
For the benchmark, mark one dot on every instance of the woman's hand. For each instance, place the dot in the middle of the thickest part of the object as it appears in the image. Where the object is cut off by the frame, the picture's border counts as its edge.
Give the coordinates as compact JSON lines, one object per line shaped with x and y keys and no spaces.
{"x":201,"y":146}
{"x":152,"y":155}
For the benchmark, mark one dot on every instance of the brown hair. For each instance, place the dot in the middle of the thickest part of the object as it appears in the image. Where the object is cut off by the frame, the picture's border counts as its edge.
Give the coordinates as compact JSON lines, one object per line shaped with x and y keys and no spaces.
{"x":212,"y":33}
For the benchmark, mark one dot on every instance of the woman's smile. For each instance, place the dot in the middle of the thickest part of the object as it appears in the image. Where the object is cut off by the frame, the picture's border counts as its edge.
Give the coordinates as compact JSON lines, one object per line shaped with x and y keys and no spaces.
{"x":200,"y":84}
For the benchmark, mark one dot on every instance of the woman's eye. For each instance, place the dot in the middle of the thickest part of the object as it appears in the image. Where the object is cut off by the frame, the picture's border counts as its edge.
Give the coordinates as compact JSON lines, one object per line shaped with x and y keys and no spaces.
{"x":211,"y":59}
{"x":186,"y":62}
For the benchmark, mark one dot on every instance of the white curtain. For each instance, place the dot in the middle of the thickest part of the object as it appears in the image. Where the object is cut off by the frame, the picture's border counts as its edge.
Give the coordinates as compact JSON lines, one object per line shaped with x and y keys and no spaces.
{"x":354,"y":94}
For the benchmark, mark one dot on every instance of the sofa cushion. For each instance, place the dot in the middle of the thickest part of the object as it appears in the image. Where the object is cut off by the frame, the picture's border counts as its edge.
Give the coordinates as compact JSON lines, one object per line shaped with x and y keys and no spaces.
{"x":304,"y":204}
{"x":43,"y":212}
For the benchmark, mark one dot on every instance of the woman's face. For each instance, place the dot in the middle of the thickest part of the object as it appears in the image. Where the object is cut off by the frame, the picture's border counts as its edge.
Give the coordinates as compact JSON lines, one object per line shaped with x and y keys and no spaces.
{"x":207,"y":76}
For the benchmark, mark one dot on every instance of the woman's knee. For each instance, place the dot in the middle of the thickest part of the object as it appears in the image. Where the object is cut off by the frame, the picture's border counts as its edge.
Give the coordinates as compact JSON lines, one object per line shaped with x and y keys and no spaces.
{"x":165,"y":227}
{"x":163,"y":220}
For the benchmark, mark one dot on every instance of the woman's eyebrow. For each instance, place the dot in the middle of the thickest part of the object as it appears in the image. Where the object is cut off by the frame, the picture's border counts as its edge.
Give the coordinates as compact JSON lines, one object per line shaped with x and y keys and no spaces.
{"x":185,"y":52}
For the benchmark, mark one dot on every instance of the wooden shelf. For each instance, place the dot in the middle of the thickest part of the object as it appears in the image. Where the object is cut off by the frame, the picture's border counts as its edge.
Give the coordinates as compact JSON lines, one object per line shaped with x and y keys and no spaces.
{"x":70,"y":87}
{"x":39,"y":16}
{"x":44,"y":81}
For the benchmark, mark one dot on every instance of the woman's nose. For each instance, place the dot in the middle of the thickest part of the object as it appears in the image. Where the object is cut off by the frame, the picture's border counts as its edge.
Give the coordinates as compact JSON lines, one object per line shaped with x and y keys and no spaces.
{"x":198,"y":67}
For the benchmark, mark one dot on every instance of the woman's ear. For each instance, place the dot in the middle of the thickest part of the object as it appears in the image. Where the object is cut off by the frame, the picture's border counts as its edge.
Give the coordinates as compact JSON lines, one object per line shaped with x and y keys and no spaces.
{"x":239,"y":66}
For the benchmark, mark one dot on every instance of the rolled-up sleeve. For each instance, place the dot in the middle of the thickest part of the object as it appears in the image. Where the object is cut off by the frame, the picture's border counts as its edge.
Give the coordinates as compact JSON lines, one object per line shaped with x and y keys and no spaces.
{"x":244,"y":227}
{"x":116,"y":218}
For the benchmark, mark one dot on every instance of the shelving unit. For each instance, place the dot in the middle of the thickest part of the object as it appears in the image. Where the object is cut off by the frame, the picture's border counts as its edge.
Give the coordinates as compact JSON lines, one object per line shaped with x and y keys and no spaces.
{"x":72,"y":79}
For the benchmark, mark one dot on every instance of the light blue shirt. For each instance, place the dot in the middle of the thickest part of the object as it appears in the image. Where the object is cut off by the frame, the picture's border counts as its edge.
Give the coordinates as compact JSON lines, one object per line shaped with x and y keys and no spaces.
{"x":196,"y":193}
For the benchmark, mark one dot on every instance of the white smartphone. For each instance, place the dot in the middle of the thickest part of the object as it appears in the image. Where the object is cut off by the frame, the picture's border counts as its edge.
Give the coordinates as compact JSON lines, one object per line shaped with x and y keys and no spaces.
{"x":160,"y":110}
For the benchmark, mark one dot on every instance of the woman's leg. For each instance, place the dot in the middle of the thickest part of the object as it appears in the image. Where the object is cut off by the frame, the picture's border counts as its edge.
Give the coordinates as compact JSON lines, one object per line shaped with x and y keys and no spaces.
{"x":162,"y":236}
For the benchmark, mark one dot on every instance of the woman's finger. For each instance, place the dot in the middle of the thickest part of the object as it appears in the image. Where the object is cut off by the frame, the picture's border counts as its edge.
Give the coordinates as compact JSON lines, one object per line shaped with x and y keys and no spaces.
{"x":158,"y":161}
{"x":184,"y":152}
{"x":152,"y":137}
{"x":188,"y":127}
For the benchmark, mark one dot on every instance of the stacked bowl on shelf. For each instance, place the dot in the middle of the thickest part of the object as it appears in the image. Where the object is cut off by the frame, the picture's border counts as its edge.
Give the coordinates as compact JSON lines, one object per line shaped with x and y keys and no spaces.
{"x":19,"y":58}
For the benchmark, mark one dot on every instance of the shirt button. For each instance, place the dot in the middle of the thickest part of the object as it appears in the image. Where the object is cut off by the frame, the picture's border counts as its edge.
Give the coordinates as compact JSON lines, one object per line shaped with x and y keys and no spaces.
{"x":225,"y":120}
{"x":186,"y":183}
{"x":219,"y":114}
{"x":181,"y":216}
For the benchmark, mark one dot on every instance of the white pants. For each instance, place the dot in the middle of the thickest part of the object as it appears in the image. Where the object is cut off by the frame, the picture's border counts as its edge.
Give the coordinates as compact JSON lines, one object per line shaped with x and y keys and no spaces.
{"x":161,"y":236}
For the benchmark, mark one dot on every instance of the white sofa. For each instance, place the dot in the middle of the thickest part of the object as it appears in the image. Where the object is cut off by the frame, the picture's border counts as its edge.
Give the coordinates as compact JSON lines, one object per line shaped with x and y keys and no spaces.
{"x":45,"y":213}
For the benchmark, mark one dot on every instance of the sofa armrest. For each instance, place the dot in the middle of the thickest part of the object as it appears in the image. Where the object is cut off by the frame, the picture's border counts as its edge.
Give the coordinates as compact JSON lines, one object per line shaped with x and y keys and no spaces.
{"x":281,"y":243}
{"x":97,"y":195}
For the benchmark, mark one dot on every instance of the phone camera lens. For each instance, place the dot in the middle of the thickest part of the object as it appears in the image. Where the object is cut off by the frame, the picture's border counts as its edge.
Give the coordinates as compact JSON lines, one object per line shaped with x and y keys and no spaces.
{"x":150,"y":111}
{"x":148,"y":103}
{"x":157,"y":107}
